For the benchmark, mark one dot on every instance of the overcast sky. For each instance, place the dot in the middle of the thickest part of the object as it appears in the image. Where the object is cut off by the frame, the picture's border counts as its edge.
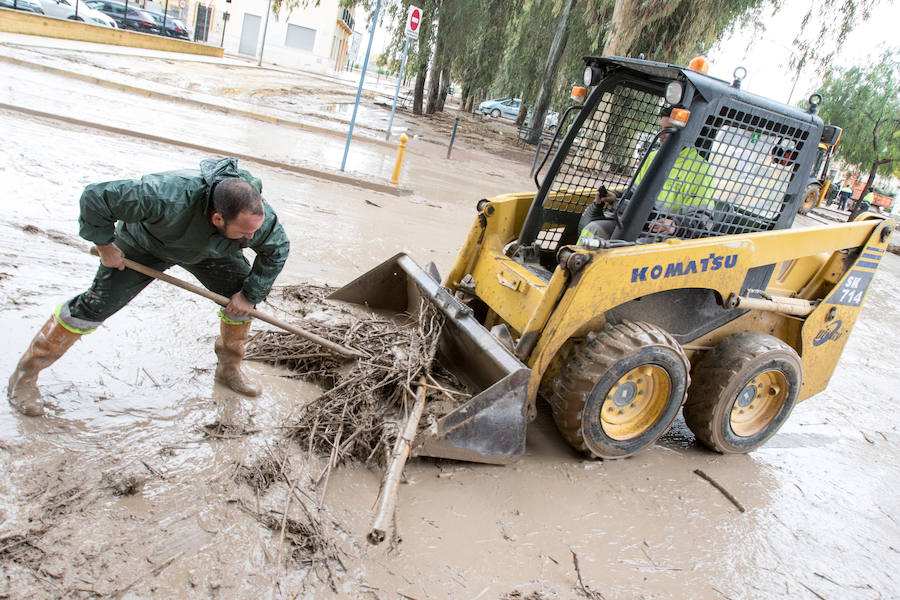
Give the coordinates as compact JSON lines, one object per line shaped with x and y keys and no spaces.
{"x":766,"y":56}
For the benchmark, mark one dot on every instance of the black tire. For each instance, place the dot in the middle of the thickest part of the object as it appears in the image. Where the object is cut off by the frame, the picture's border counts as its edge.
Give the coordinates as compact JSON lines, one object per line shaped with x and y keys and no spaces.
{"x":620,"y":389}
{"x":495,"y":113}
{"x":744,"y":390}
{"x":810,"y":197}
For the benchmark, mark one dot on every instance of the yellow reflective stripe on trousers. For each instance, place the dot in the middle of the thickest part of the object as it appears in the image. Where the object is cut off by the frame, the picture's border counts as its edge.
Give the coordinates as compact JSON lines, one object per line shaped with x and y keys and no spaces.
{"x":68,"y":327}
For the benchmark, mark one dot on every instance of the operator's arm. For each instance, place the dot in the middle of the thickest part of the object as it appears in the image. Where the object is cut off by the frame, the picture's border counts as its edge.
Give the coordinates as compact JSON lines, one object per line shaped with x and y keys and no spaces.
{"x":595,"y":210}
{"x":271,"y":246}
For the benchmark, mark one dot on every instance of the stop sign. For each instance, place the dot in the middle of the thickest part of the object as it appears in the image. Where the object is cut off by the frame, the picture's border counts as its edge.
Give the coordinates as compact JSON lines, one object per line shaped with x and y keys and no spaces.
{"x":413,"y":20}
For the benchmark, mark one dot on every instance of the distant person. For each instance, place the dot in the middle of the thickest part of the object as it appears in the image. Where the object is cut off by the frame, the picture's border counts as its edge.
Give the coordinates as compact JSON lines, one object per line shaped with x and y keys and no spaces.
{"x":200,"y":220}
{"x":684,"y":205}
{"x":844,"y":195}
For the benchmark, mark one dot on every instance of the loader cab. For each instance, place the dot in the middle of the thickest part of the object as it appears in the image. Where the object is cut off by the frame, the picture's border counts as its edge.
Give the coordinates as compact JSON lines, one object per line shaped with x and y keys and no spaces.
{"x":732,"y":163}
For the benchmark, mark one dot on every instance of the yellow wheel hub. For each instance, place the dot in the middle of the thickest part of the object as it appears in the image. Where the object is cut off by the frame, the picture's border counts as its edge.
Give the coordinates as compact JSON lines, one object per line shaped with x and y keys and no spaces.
{"x":636,"y":402}
{"x":758,"y":403}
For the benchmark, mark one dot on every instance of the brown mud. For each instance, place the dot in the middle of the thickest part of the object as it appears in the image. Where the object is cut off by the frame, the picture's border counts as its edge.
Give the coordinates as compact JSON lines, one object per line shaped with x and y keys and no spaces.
{"x":147,"y":480}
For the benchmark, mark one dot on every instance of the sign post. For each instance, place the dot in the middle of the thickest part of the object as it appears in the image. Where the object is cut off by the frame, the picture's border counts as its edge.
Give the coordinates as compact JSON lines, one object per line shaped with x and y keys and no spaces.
{"x":362,"y":78}
{"x":413,"y":20}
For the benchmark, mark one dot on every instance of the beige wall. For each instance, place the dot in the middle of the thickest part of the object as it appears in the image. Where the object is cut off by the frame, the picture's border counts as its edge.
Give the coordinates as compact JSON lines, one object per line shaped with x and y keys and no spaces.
{"x":322,"y":18}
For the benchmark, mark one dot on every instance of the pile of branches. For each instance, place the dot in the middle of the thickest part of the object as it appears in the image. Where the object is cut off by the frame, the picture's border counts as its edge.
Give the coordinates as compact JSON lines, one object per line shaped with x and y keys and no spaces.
{"x":356,"y":418}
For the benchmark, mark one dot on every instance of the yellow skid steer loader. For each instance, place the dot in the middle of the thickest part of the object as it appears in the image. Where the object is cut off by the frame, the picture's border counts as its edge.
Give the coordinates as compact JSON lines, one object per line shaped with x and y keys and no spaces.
{"x":655,"y":268}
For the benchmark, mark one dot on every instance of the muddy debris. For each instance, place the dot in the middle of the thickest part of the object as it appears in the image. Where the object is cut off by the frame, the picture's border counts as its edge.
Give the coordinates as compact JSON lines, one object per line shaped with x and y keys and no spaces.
{"x":58,"y":237}
{"x":23,"y":550}
{"x":357,"y":416}
{"x":263,"y":472}
{"x":535,"y":595}
{"x":124,"y":483}
{"x":223,"y":430}
{"x":310,"y":535}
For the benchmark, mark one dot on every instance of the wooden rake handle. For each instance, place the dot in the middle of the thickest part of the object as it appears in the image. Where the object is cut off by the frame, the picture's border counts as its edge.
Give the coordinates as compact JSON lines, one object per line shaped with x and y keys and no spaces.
{"x":223,"y":301}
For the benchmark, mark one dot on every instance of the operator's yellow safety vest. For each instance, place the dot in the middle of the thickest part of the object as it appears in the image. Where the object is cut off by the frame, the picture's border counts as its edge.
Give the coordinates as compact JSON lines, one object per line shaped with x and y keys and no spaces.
{"x":689,"y":184}
{"x":870,"y":198}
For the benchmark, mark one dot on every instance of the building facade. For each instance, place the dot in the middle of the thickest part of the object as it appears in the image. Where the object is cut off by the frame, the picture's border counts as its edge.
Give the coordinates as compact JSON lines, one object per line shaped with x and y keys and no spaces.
{"x":316,"y":36}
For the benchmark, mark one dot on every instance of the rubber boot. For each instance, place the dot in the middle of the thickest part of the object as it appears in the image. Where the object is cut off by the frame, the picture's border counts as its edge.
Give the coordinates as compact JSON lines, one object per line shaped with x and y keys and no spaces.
{"x":49,"y":344}
{"x":230,"y":350}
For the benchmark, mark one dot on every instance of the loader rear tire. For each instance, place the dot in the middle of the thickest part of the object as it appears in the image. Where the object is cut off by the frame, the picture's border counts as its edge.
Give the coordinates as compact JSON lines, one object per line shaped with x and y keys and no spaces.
{"x":744,"y":390}
{"x":620,"y":389}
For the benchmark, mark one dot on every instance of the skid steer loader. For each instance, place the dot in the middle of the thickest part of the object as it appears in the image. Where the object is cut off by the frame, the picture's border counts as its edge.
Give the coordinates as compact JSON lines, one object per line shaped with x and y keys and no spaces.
{"x":819,"y":185}
{"x":694,"y":291}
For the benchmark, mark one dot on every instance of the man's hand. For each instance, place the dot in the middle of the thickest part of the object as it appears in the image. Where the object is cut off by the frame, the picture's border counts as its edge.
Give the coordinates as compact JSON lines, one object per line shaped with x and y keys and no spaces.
{"x":239,"y":305}
{"x":662,"y":225}
{"x":111,"y":256}
{"x":603,"y":196}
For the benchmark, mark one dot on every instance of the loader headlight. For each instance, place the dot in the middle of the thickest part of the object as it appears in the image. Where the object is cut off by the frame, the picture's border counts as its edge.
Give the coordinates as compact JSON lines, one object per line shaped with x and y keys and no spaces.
{"x":589,"y":76}
{"x":674,"y":91}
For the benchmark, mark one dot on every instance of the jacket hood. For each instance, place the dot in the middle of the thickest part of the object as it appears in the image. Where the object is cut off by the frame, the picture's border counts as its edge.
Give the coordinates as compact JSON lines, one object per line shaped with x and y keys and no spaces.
{"x":214,"y":170}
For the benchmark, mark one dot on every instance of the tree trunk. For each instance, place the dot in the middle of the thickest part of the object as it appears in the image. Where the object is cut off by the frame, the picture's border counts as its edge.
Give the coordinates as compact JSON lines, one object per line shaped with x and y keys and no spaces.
{"x":551,"y":69}
{"x":418,"y":94}
{"x":445,"y":88}
{"x":523,"y":112}
{"x":465,"y":100}
{"x":437,"y":62}
{"x":619,"y":38}
{"x":869,"y":183}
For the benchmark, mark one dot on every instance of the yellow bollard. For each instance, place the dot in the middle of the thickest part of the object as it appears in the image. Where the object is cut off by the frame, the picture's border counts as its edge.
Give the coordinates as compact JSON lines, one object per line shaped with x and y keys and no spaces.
{"x":395,"y":178}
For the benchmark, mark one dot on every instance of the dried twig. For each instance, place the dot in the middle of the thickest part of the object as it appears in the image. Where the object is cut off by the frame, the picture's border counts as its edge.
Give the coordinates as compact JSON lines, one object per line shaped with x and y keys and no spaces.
{"x":588,"y":592}
{"x":719,"y":487}
{"x":812,"y":591}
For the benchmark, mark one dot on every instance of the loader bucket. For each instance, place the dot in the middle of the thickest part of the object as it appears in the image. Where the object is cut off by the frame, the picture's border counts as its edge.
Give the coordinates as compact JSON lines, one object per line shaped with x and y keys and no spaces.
{"x":489,"y":427}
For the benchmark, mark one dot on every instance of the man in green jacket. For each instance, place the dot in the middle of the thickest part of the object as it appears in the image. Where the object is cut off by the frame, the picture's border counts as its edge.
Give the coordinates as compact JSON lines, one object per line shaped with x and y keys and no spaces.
{"x":199,"y":220}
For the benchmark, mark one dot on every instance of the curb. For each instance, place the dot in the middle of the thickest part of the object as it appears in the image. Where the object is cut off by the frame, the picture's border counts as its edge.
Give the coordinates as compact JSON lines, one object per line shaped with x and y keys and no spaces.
{"x":319,"y":174}
{"x":173,"y":97}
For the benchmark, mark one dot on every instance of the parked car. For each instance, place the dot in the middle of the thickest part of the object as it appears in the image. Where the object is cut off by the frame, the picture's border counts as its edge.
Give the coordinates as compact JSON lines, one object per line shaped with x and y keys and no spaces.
{"x":175,"y":28}
{"x":551,"y":120}
{"x":26,"y":5}
{"x":65,"y":9}
{"x":137,"y":19}
{"x":502,"y":107}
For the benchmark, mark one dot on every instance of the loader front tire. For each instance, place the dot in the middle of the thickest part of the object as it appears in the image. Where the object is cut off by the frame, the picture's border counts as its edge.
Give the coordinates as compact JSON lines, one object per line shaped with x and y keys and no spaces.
{"x":744,"y":390}
{"x":620,"y":389}
{"x":810,"y":198}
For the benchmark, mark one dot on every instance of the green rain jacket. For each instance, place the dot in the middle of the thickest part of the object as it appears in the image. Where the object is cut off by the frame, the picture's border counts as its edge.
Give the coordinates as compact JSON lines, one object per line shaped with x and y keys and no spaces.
{"x":168,"y":215}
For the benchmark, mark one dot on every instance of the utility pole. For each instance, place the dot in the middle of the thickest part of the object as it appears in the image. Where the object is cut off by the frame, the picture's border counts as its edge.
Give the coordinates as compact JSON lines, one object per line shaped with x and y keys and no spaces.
{"x":262,"y":44}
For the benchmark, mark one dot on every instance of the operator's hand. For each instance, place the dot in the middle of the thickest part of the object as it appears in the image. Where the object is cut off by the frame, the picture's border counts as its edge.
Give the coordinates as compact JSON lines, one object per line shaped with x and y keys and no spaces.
{"x":111,"y":256}
{"x":603,"y":196}
{"x":239,"y":305}
{"x":664,"y":226}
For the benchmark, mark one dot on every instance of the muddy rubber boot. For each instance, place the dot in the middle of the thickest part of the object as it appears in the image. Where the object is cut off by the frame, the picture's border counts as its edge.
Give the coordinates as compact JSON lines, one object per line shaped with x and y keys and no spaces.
{"x":230,"y":350}
{"x":49,"y":344}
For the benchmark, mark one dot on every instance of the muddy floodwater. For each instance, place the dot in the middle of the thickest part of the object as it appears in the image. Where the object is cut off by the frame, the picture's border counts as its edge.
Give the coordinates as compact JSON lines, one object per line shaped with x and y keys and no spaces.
{"x":120,"y":491}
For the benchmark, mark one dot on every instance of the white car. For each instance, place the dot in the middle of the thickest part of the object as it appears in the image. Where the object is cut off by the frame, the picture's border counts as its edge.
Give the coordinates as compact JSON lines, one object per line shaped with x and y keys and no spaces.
{"x":65,"y":9}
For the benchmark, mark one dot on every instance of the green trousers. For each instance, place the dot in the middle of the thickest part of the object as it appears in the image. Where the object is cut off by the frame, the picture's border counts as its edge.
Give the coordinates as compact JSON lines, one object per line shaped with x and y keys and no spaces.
{"x":113,"y":289}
